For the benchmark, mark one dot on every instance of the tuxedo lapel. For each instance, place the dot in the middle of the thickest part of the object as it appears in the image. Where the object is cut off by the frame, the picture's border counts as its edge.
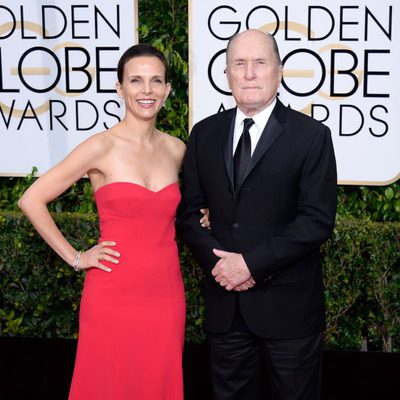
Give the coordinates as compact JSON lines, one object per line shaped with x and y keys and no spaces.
{"x":271,"y":132}
{"x":227,"y":137}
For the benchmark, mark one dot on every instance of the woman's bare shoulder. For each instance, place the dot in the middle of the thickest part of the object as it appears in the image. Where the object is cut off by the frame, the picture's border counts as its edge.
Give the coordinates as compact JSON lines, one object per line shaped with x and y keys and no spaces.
{"x":99,"y":144}
{"x":175,"y":144}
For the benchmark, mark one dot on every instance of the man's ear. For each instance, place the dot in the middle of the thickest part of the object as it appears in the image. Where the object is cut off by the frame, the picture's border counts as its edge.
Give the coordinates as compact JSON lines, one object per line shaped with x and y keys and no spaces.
{"x":280,"y":73}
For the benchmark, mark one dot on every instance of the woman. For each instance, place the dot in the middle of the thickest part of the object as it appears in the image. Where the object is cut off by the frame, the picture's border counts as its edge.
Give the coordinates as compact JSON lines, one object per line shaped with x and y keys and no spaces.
{"x":132,"y":313}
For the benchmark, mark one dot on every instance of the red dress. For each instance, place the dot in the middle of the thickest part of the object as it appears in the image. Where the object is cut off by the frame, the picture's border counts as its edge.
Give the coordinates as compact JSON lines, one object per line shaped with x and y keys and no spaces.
{"x":131,"y":321}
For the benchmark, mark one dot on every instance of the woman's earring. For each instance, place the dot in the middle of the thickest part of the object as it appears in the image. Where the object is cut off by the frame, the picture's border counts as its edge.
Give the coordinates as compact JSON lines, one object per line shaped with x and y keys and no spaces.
{"x":121,"y":101}
{"x":163,"y":104}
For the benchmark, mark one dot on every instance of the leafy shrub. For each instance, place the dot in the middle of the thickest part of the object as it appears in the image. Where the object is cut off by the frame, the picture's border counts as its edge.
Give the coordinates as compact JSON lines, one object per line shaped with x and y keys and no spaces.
{"x":375,"y":203}
{"x":39,"y":293}
{"x":362,"y":279}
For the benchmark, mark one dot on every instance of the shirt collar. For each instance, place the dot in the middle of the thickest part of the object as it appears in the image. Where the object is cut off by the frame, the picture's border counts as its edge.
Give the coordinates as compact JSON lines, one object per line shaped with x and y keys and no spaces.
{"x":260,"y":119}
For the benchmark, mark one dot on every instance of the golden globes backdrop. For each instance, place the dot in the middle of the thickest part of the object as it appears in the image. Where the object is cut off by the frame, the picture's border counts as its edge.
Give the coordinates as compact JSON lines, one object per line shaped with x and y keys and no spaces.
{"x":57,"y":76}
{"x":341,"y":61}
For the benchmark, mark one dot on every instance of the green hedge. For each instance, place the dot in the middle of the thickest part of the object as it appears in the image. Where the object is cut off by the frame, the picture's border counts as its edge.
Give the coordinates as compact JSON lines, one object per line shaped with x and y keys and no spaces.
{"x":362,"y":279}
{"x":40,"y":293}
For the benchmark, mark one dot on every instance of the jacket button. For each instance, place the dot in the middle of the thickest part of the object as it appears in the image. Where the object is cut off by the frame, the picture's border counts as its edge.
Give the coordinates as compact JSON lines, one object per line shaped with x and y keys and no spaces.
{"x":268,"y":278}
{"x":235,"y":225}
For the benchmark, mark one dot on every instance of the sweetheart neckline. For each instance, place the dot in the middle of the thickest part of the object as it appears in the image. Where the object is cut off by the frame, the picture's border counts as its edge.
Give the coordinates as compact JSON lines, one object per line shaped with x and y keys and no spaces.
{"x":136,"y":184}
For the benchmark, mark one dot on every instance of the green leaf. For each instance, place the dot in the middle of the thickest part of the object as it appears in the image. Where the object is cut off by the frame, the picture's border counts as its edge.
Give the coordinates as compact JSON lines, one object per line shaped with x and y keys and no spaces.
{"x":389,"y":193}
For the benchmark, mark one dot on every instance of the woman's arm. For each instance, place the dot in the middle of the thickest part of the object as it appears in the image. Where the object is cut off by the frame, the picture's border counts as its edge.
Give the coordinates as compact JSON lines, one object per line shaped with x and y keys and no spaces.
{"x":49,"y":186}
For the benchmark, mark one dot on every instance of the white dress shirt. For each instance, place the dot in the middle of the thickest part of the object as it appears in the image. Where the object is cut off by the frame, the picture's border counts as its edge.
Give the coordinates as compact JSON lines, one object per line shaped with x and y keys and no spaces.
{"x":260,"y":120}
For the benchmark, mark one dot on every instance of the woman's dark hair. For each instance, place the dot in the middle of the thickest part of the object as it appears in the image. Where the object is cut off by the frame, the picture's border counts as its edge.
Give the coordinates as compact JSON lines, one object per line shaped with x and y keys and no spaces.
{"x":140,"y":50}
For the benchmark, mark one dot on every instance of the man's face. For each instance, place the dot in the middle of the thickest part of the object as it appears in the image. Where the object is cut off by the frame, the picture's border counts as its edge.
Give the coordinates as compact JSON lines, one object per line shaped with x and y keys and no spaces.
{"x":253,"y":72}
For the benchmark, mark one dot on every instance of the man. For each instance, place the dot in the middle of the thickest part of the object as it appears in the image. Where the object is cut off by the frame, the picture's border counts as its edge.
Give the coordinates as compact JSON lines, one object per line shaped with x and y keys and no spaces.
{"x":268,"y":176}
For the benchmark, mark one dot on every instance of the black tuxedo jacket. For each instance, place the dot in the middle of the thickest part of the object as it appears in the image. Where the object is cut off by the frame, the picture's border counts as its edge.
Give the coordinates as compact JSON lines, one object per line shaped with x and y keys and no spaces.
{"x":283,"y":211}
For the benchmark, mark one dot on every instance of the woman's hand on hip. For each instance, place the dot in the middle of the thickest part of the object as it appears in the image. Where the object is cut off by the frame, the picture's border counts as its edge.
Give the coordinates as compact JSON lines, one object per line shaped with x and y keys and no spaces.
{"x":93,"y":257}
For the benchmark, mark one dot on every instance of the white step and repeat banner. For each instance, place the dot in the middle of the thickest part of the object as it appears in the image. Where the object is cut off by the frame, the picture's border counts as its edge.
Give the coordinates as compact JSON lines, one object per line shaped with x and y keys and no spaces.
{"x":57,"y":76}
{"x":341,"y":66}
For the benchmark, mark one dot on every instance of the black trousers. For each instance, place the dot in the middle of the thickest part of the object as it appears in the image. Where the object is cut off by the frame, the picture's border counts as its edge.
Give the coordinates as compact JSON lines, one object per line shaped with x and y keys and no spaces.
{"x":293,"y":365}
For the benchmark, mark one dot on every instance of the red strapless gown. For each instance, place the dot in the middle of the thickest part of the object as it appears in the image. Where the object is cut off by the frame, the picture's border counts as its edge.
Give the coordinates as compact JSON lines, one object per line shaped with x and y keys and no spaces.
{"x":131,"y":322}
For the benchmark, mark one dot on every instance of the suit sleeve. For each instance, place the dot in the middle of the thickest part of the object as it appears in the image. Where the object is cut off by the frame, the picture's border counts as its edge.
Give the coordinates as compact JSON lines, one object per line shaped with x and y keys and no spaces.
{"x":316,"y":210}
{"x":200,"y":241}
